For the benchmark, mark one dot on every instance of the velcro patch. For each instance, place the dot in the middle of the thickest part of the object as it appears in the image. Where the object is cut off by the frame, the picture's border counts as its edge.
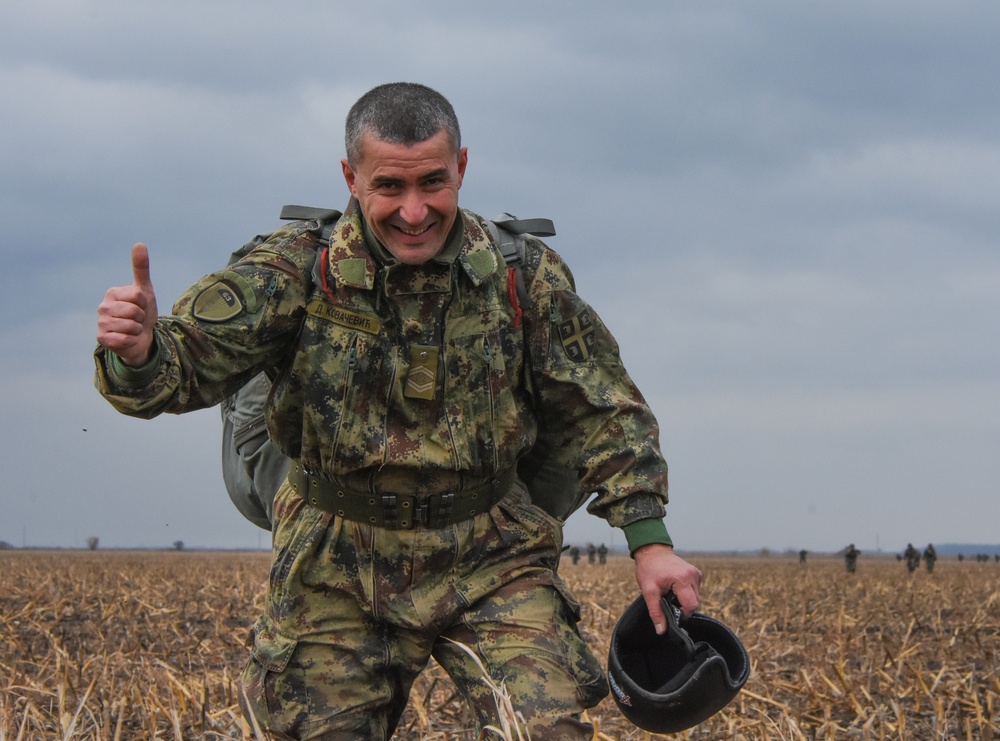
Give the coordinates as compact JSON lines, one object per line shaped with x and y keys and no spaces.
{"x":578,"y":337}
{"x":421,"y":379}
{"x":218,"y":302}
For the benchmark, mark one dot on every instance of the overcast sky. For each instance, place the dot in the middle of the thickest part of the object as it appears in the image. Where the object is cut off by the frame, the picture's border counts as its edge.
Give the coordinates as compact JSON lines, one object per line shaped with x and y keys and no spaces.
{"x":787,"y":212}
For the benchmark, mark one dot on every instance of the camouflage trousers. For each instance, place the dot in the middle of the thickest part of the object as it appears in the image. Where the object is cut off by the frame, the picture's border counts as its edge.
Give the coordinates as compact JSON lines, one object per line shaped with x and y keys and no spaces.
{"x":354,"y":613}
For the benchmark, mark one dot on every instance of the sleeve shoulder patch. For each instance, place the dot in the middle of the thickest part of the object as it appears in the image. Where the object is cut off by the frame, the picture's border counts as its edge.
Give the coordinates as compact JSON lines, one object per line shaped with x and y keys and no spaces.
{"x":578,"y":337}
{"x":224,"y":299}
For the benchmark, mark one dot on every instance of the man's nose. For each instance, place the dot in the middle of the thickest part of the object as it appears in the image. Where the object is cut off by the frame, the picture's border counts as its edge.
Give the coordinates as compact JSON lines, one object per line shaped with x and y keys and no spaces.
{"x":413,"y":209}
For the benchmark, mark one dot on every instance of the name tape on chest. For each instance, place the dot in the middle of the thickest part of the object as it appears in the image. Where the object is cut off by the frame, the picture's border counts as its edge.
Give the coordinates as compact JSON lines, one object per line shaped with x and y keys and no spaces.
{"x":344,"y":317}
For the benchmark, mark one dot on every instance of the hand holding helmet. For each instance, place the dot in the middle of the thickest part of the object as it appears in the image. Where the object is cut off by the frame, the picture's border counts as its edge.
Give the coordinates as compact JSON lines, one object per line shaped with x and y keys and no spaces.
{"x":671,"y":682}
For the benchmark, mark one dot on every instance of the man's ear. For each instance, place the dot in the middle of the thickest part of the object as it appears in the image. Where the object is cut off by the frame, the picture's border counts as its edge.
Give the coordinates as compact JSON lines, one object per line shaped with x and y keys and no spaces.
{"x":349,"y":176}
{"x":463,"y":161}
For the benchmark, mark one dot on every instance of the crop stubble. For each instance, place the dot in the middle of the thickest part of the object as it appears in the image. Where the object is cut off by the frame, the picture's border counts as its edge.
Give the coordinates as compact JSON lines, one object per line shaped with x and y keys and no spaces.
{"x":124,"y":645}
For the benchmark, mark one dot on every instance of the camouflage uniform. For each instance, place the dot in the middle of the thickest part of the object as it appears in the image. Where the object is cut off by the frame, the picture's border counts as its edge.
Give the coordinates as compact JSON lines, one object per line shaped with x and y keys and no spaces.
{"x":394,"y":379}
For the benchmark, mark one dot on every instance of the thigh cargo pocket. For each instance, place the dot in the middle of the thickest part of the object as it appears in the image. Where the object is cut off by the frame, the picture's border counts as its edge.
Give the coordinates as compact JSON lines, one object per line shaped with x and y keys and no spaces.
{"x":274,"y":693}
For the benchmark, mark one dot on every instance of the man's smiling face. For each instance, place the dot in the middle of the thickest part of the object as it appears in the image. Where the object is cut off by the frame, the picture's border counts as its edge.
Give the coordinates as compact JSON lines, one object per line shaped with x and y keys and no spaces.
{"x":408,"y":194}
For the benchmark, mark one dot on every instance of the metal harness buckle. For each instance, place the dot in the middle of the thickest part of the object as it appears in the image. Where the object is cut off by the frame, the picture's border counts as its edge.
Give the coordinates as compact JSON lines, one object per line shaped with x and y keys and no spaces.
{"x":390,"y":512}
{"x":421,"y":514}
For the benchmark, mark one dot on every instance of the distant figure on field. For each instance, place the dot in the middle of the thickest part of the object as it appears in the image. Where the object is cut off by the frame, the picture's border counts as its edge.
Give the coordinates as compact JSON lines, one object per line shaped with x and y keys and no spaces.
{"x":602,"y":554}
{"x":912,"y":557}
{"x":591,"y":552}
{"x":930,"y":556}
{"x":851,"y":558}
{"x":802,"y":555}
{"x":574,"y":553}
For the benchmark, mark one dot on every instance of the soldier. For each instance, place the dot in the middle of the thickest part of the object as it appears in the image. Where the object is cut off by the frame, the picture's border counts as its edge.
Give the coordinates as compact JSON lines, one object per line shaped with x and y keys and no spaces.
{"x":912,"y":556}
{"x":851,"y":558}
{"x":574,"y":554}
{"x":802,"y":555}
{"x":407,"y":380}
{"x":602,"y":554}
{"x":930,"y":557}
{"x":591,"y":553}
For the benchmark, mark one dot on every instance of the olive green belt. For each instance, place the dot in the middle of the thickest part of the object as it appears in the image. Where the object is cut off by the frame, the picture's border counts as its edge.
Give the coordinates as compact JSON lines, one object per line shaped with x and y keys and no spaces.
{"x":399,"y":511}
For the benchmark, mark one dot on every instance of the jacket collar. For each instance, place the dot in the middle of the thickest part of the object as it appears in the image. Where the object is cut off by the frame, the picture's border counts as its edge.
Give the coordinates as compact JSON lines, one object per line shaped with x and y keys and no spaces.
{"x":351,"y":258}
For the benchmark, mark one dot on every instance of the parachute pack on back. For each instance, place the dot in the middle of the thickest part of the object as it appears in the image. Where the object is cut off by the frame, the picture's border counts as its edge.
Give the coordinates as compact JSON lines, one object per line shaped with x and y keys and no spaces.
{"x":246,"y":451}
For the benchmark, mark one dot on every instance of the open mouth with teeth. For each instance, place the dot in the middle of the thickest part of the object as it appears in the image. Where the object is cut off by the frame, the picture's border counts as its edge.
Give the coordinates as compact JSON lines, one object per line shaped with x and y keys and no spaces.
{"x":413,"y":232}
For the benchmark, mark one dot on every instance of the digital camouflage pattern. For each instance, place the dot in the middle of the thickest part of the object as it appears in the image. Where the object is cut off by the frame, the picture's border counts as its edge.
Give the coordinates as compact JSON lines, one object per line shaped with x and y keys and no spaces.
{"x":417,"y":379}
{"x":354,"y":613}
{"x":363,"y":323}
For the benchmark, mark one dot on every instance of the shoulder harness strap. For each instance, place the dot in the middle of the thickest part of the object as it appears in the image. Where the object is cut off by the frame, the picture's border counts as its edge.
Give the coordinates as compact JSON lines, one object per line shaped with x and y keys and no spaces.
{"x":326,"y":218}
{"x":509,"y":231}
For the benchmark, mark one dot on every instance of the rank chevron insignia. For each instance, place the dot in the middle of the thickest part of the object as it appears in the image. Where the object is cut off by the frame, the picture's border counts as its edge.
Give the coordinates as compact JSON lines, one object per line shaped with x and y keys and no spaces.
{"x":421,"y":378}
{"x":419,"y":382}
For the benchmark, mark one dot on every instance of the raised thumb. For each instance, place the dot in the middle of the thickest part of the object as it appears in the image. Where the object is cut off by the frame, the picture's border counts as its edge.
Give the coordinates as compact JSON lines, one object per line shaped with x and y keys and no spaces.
{"x":140,"y":267}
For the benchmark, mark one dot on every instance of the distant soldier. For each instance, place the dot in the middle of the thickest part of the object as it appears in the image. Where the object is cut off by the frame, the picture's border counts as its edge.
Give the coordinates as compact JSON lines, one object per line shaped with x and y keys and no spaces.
{"x":802,"y":555}
{"x":574,"y":553}
{"x":851,"y":558}
{"x":912,"y":557}
{"x":591,"y":552}
{"x":602,"y":554}
{"x":930,"y":556}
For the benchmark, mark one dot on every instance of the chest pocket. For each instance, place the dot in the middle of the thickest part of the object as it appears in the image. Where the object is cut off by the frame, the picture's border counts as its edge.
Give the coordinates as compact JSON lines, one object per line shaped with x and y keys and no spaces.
{"x":483,"y":370}
{"x":351,"y":373}
{"x":345,"y":367}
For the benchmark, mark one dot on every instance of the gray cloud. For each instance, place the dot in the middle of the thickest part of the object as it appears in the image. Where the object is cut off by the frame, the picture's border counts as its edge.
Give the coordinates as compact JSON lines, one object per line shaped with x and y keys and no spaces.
{"x":787,"y":213}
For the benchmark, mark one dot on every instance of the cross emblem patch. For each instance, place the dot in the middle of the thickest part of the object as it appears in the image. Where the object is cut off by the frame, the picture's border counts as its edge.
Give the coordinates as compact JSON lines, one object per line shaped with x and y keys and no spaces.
{"x":578,"y":338}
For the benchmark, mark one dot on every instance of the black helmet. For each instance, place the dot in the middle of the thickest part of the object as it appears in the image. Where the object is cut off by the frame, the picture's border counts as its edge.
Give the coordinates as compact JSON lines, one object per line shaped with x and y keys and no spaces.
{"x":667,"y":683}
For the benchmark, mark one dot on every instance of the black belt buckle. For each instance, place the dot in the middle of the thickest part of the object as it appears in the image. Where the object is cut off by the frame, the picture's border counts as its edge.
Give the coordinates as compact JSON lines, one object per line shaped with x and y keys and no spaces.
{"x":421,"y":513}
{"x":443,"y":514}
{"x":390,"y":511}
{"x":433,"y":512}
{"x":401,"y":512}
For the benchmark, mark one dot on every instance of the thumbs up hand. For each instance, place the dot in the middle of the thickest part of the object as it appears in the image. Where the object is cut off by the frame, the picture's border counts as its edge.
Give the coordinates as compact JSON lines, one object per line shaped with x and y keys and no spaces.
{"x":126,"y":316}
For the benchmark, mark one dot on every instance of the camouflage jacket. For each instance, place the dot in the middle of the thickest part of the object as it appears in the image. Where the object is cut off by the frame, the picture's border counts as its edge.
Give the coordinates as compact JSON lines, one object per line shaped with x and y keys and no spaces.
{"x":392,"y":377}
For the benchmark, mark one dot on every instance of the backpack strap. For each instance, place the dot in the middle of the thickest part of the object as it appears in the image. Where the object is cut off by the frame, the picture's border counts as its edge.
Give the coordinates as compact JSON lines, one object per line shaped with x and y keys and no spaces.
{"x":308,"y":213}
{"x":514,"y":225}
{"x":325,"y":217}
{"x":508,"y":231}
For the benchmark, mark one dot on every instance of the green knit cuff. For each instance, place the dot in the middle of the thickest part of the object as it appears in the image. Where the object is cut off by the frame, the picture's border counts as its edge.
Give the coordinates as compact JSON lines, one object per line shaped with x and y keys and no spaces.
{"x":125,"y":376}
{"x":644,"y":532}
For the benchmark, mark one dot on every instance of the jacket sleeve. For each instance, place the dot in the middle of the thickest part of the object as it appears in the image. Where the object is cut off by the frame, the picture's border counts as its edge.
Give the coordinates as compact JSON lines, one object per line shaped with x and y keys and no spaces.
{"x":222,"y":331}
{"x":590,"y":411}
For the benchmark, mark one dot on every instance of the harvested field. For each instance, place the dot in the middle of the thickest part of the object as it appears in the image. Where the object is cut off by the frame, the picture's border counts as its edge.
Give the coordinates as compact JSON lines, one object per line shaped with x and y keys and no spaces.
{"x":142,"y":645}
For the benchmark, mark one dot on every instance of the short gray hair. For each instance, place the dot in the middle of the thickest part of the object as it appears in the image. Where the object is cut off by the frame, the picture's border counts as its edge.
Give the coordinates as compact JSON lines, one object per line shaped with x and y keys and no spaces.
{"x":400,"y":113}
